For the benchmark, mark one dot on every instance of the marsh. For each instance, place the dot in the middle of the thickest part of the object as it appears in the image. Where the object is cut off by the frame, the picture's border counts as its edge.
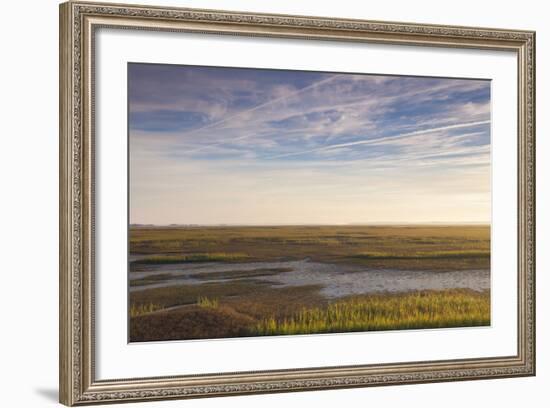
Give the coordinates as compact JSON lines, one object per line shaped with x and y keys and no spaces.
{"x":290,"y":279}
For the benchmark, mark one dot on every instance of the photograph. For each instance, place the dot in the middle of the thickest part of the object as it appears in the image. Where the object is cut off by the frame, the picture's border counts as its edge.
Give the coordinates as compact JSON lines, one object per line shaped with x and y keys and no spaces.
{"x":266,"y":202}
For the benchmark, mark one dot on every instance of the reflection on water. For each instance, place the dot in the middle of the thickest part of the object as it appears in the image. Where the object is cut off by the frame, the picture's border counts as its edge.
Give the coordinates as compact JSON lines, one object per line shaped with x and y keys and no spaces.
{"x":336,"y":279}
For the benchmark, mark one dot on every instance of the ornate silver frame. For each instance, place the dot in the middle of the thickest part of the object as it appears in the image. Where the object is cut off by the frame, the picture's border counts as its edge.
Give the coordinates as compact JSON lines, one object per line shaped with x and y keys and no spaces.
{"x":78,"y":22}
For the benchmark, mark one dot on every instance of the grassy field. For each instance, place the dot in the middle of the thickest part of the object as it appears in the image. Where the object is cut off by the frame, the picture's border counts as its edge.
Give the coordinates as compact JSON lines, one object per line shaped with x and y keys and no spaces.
{"x":383,"y":312}
{"x":188,"y":258}
{"x":245,"y":303}
{"x":300,"y":311}
{"x":411,"y":247}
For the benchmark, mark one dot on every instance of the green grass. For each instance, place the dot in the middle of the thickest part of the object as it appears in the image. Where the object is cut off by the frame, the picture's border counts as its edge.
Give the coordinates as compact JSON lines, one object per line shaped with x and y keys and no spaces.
{"x":188,"y":258}
{"x":299,"y":310}
{"x":418,"y":247}
{"x":206,"y":302}
{"x":241,"y":304}
{"x":246,"y":306}
{"x":385,"y":312}
{"x":457,"y":253}
{"x":143,"y":309}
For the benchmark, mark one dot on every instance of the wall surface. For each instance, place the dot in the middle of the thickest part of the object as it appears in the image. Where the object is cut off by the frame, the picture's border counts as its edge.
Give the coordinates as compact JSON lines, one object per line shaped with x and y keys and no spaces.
{"x":28,"y":216}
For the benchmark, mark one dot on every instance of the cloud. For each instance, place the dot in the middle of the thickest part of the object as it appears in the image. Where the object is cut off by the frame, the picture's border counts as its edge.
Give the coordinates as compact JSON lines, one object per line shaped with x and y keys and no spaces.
{"x":275,"y":141}
{"x":382,"y":140}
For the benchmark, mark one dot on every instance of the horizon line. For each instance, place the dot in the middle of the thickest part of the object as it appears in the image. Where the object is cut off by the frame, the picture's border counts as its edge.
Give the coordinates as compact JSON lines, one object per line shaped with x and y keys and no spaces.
{"x":311,"y":224}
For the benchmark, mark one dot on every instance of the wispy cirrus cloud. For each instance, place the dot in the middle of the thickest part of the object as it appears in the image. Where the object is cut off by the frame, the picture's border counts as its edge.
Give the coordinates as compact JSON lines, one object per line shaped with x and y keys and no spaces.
{"x":236,"y":128}
{"x":385,"y":139}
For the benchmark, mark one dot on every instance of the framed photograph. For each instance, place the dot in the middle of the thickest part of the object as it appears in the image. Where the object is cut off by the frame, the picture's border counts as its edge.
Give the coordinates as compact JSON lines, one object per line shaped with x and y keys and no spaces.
{"x":256,"y":203}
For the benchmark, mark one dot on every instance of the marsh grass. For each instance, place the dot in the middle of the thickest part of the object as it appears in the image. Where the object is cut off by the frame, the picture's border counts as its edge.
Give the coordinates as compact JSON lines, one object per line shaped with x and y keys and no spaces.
{"x":179,"y":295}
{"x":248,"y":306}
{"x":207,"y":302}
{"x":420,"y":247}
{"x":188,"y":258}
{"x":385,"y":312}
{"x":248,"y":309}
{"x":143,"y":309}
{"x":461,"y":254}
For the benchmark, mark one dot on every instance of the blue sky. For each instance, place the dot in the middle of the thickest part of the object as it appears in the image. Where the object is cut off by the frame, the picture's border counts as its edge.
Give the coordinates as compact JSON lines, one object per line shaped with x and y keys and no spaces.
{"x":211,"y":145}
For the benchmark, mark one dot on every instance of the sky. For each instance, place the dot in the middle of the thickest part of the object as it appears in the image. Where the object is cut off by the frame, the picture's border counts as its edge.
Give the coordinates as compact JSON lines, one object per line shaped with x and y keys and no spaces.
{"x":238,"y":146}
